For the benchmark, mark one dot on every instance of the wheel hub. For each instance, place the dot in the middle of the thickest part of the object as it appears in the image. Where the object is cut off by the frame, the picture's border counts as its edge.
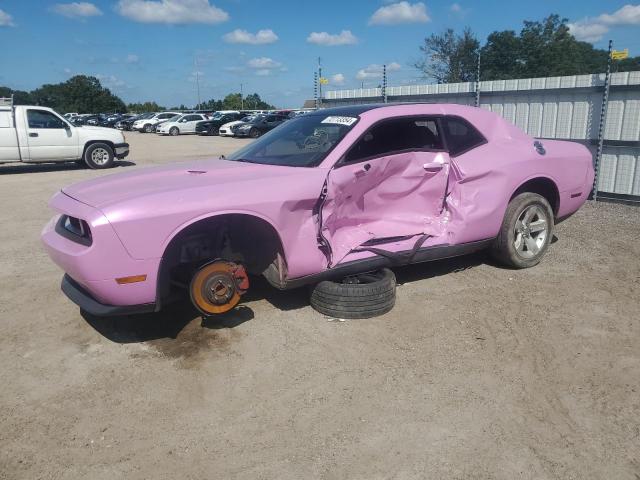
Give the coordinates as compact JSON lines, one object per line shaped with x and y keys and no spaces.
{"x":217,"y":287}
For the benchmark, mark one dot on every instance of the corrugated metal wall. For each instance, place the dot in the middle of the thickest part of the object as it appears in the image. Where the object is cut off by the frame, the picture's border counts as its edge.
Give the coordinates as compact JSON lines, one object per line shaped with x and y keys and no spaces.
{"x":553,"y":107}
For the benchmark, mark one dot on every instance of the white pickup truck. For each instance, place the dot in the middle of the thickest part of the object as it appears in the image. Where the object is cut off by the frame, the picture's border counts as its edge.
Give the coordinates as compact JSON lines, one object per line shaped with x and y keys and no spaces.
{"x":32,"y":134}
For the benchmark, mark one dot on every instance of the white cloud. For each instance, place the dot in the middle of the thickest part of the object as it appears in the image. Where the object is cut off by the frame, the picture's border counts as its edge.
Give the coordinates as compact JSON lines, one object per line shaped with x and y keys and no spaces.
{"x":401,"y":12}
{"x":263,"y":72}
{"x":587,"y":32}
{"x":375,"y":71}
{"x":131,"y":58}
{"x":337,"y":79}
{"x":262,"y":37}
{"x":458,"y":10}
{"x":171,"y":11}
{"x":455,"y":8}
{"x":76,"y":10}
{"x":6,"y":20}
{"x":110,"y":81}
{"x":331,"y":40}
{"x":263,"y":63}
{"x":593,"y":29}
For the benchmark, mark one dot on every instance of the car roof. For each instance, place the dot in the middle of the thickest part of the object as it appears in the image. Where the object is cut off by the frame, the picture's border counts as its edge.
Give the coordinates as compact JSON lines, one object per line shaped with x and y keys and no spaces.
{"x":490,"y":124}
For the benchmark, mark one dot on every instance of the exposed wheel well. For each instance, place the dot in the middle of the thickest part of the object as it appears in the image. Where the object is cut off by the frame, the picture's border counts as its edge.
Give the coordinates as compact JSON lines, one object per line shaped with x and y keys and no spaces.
{"x":92,"y":142}
{"x":544,"y":187}
{"x":242,"y":238}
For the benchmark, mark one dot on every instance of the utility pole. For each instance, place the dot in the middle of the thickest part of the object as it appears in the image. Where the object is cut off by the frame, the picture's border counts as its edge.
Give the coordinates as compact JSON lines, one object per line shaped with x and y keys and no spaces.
{"x":603,"y":121}
{"x":241,"y":99}
{"x":478,"y":82}
{"x":315,"y":89}
{"x":195,"y":63}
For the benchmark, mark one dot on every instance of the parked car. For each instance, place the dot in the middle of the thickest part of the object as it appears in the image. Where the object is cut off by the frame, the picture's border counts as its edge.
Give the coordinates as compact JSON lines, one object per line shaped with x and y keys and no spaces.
{"x":331,"y":198}
{"x":213,"y":124}
{"x":170,"y":119}
{"x":125,"y":123}
{"x":146,"y":125}
{"x":226,"y":130}
{"x":181,"y":124}
{"x":31,"y":134}
{"x":259,"y":125}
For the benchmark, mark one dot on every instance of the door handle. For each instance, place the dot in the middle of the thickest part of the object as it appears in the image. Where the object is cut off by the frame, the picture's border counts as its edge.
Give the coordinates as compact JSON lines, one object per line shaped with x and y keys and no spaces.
{"x":433,"y":166}
{"x":365,"y":168}
{"x":33,"y":134}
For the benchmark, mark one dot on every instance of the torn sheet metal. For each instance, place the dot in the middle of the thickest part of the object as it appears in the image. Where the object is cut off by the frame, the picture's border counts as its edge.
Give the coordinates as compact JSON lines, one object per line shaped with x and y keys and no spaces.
{"x":400,"y":195}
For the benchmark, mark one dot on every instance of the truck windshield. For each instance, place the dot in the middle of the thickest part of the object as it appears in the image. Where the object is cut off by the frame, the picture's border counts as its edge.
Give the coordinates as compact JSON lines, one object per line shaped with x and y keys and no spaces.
{"x":301,"y":142}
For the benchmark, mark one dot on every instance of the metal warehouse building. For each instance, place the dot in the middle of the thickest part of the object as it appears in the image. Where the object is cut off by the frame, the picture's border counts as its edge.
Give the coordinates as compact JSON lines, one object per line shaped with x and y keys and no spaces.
{"x":567,"y":108}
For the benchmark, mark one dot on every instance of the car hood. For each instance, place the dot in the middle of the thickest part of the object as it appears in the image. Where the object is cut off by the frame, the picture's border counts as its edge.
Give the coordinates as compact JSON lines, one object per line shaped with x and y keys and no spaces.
{"x":178,"y":181}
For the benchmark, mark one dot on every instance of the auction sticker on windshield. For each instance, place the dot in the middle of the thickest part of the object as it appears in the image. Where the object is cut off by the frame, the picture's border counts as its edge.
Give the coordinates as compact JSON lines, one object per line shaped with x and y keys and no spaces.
{"x":348,"y":121}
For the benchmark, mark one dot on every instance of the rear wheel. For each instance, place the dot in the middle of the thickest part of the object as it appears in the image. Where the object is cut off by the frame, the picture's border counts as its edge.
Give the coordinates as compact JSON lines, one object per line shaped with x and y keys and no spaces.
{"x":213,"y":131}
{"x":364,"y":295}
{"x":526,"y":231}
{"x":254,"y":133}
{"x":99,"y":155}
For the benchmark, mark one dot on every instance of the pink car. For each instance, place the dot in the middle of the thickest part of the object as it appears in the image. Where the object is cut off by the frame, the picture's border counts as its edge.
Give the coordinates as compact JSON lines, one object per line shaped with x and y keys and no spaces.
{"x":329,"y":198}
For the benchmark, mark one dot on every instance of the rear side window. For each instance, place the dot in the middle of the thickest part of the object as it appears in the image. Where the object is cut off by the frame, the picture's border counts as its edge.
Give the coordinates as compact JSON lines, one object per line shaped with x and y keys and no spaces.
{"x":397,"y":135}
{"x":461,"y":136}
{"x":43,"y":119}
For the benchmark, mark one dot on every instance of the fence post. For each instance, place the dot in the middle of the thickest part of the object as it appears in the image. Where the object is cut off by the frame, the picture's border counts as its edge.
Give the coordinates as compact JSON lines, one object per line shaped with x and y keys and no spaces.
{"x":478,"y":82}
{"x":603,"y":121}
{"x":384,"y":83}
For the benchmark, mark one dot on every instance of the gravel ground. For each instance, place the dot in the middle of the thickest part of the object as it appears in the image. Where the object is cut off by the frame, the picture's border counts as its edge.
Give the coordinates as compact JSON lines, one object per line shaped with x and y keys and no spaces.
{"x":478,"y":372}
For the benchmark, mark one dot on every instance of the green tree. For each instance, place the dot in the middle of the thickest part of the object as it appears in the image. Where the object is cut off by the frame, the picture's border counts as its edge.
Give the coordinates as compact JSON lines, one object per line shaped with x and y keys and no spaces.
{"x":19,"y":97}
{"x":449,"y":57}
{"x":144,"y":107}
{"x":80,"y":94}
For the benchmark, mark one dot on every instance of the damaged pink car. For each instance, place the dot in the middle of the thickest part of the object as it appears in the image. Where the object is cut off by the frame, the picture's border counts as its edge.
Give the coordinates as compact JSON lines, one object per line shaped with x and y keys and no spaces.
{"x":331,"y":199}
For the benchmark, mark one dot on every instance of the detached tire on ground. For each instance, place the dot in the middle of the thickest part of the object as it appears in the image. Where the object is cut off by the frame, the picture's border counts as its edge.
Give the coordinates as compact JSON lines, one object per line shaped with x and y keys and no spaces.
{"x":360,"y":296}
{"x":98,"y":155}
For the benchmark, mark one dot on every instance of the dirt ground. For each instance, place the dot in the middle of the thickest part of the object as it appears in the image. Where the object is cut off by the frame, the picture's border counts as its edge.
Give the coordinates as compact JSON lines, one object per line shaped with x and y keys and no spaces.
{"x":478,"y":372}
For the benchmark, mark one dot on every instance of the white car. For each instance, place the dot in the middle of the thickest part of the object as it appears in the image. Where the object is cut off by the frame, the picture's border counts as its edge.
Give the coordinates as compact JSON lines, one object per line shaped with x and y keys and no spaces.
{"x":146,"y":125}
{"x":226,"y":130}
{"x":181,"y":125}
{"x":32,"y":134}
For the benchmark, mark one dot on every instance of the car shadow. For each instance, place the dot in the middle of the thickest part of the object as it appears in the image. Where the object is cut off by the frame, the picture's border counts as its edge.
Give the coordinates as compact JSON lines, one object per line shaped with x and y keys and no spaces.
{"x":437,"y":268}
{"x":12,"y":169}
{"x":168,"y":323}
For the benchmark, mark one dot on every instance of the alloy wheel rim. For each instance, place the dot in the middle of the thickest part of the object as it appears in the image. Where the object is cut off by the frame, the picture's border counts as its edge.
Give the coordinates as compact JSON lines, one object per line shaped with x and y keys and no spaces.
{"x":530,"y":231}
{"x":100,"y":156}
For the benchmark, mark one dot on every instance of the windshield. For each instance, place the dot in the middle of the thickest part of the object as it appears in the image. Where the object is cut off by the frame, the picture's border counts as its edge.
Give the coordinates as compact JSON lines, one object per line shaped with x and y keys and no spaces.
{"x":301,"y":142}
{"x":255,"y":119}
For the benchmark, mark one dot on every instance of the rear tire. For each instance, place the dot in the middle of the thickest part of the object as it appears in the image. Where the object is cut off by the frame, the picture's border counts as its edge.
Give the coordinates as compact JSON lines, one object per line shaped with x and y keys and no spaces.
{"x":360,"y":296}
{"x":98,"y":156}
{"x":254,"y":133}
{"x":526,"y":231}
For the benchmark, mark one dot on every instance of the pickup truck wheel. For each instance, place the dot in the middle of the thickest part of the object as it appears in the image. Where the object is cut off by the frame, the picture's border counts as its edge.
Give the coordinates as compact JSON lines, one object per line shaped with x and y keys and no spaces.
{"x":174,"y":132}
{"x":99,"y":155}
{"x":526,"y":231}
{"x":360,"y":296}
{"x":148,"y":128}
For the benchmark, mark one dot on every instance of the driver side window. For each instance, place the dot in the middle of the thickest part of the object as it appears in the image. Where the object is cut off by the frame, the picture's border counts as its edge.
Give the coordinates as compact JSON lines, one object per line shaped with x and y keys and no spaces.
{"x":43,"y":119}
{"x":396,"y":135}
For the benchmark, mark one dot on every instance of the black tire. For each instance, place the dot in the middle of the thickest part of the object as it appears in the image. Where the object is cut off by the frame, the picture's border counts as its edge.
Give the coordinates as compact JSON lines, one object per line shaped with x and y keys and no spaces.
{"x":98,"y":156}
{"x":505,"y":249}
{"x":369,"y":295}
{"x":254,"y":133}
{"x":148,"y":128}
{"x":174,"y":131}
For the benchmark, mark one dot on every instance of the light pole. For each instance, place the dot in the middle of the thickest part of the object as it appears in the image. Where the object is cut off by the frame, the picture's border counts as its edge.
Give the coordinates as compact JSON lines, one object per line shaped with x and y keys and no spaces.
{"x":241,"y":99}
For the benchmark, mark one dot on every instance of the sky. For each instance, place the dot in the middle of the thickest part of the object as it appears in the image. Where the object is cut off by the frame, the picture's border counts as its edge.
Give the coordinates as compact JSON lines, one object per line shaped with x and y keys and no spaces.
{"x":151,"y":49}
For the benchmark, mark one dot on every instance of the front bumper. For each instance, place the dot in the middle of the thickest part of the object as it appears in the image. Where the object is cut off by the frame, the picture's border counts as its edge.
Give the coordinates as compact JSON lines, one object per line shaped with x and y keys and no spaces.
{"x":81,"y":297}
{"x":121,"y":150}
